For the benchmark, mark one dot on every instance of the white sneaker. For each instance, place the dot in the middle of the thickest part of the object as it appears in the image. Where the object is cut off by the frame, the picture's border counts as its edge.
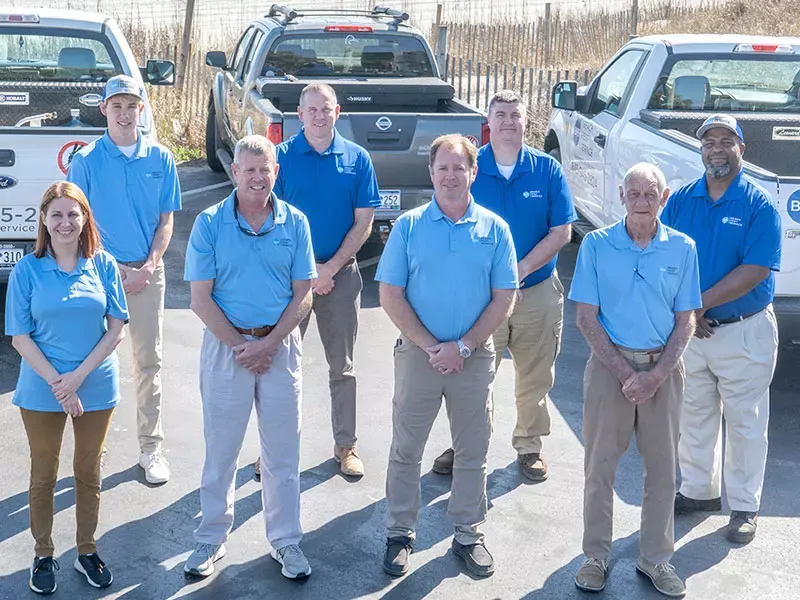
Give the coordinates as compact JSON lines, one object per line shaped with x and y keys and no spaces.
{"x":156,"y":467}
{"x":293,"y":561}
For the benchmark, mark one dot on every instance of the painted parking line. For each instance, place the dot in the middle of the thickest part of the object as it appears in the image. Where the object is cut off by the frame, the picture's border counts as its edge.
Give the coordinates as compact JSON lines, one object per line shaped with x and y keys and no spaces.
{"x":206,"y":188}
{"x":368,"y":262}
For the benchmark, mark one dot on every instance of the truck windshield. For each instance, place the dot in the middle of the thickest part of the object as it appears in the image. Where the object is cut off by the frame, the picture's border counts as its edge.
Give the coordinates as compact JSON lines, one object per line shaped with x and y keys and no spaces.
{"x":762,"y":83}
{"x":348,"y":54}
{"x":32,"y":55}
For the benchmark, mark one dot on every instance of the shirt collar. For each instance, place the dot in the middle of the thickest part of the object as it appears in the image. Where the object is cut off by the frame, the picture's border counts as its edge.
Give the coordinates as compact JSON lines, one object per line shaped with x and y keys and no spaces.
{"x":487,"y":163}
{"x":49,"y":263}
{"x":622,"y":240}
{"x":336,"y":147}
{"x":435,"y":212}
{"x":736,"y":189}
{"x":114,"y":151}
{"x":279,"y":209}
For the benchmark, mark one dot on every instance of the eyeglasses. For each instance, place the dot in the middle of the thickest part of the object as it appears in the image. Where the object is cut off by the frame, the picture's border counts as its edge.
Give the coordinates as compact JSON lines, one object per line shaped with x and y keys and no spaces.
{"x":250,"y":232}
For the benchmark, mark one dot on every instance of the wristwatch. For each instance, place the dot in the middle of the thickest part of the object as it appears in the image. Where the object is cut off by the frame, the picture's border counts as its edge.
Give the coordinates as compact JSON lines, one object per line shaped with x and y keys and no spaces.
{"x":463,"y":349}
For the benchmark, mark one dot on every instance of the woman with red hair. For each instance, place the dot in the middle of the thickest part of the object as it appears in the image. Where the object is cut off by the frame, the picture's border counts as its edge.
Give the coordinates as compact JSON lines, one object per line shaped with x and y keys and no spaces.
{"x":65,"y":309}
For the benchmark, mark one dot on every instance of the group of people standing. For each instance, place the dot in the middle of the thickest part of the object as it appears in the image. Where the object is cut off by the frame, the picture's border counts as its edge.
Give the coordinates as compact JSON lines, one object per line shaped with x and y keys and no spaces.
{"x":464,"y":278}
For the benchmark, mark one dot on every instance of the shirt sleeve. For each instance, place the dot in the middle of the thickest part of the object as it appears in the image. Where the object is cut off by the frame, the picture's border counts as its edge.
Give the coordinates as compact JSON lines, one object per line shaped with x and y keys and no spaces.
{"x":762,"y":244}
{"x":393,"y":266}
{"x":584,"y":281}
{"x":201,"y":264}
{"x":19,"y":320}
{"x":79,"y":173}
{"x":561,"y":209}
{"x":368,"y":195}
{"x":689,"y":296}
{"x":171,"y":191}
{"x":504,"y":265}
{"x":304,"y":267}
{"x":116,"y":303}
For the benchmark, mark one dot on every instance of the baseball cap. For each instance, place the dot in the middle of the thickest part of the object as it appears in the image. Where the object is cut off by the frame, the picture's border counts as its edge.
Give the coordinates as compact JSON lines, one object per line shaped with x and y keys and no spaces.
{"x":724,"y":121}
{"x":122,"y":84}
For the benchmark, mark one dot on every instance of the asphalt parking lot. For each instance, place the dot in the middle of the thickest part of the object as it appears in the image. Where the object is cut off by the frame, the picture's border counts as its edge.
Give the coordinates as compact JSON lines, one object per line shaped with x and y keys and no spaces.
{"x":533,"y":530}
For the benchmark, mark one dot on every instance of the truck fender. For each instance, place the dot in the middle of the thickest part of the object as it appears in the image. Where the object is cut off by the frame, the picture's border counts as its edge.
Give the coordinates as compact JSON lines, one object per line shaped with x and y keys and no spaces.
{"x":216,"y":98}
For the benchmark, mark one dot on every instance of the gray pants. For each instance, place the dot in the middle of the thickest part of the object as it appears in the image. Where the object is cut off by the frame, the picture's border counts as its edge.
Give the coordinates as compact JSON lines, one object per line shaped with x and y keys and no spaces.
{"x":609,"y":421}
{"x":418,"y":391}
{"x":337,"y":321}
{"x":229,"y":392}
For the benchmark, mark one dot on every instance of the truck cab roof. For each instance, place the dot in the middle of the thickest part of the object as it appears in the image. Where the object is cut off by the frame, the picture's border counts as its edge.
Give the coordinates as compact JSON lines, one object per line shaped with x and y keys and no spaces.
{"x":688,"y":43}
{"x":51,"y":17}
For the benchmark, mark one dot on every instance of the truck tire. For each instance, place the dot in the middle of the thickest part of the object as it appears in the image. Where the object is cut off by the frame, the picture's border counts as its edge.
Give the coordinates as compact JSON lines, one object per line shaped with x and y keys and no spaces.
{"x":556,"y":153}
{"x":212,"y":140}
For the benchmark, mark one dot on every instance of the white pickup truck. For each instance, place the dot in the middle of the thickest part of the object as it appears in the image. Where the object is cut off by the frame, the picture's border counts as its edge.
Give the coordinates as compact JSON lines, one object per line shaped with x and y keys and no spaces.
{"x":651,"y":97}
{"x":53,"y":68}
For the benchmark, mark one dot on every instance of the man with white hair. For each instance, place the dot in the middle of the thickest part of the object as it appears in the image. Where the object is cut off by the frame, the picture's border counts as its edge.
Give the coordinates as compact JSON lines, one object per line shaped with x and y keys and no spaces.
{"x":250,"y":264}
{"x":637,"y":315}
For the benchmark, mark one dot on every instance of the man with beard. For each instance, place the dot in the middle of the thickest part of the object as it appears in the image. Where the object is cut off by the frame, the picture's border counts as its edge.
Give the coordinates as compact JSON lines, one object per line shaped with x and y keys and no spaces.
{"x":731,"y":360}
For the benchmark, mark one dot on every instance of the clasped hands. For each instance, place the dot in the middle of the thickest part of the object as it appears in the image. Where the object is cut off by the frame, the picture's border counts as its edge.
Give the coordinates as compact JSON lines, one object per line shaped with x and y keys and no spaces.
{"x":445,"y":358}
{"x":641,"y":386}
{"x":65,"y":389}
{"x":256,"y":355}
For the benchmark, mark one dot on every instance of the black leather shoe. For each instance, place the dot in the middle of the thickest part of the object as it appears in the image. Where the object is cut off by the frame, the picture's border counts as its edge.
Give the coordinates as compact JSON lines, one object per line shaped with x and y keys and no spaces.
{"x":476,"y":557}
{"x":685,"y":505}
{"x":395,"y":560}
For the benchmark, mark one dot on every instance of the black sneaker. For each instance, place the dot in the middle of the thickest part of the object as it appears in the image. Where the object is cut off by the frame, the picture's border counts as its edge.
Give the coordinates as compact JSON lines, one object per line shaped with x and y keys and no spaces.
{"x":95,"y":570}
{"x":43,"y":575}
{"x":395,"y":560}
{"x":685,"y":505}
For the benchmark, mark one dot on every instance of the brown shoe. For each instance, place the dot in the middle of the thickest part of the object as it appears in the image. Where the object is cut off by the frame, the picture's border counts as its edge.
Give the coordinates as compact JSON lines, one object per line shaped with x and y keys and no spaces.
{"x":350,"y":462}
{"x":443,"y":464}
{"x":257,"y":469}
{"x":742,"y":526}
{"x":533,"y":466}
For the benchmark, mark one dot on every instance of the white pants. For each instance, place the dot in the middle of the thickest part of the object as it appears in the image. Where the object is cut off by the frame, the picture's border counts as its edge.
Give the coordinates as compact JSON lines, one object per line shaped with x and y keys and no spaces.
{"x":228,"y":392}
{"x":728,"y":375}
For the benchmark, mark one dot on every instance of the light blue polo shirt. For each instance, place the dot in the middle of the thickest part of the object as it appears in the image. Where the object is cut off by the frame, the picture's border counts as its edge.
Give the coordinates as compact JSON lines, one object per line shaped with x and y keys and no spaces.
{"x":326,"y":187}
{"x":252,"y":275}
{"x":533,"y":200}
{"x":65,"y":314}
{"x":449,"y":269}
{"x":127,"y":195}
{"x":638,"y":290}
{"x":743,"y":227}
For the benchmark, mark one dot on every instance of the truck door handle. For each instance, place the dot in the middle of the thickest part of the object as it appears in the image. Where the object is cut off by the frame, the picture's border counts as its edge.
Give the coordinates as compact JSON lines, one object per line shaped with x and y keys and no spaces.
{"x":600,"y":140}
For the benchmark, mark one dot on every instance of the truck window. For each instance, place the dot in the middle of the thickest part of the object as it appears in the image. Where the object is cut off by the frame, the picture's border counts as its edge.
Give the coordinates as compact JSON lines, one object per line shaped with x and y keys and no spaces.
{"x":57,"y":55}
{"x":755,"y":83}
{"x":241,"y":51}
{"x":331,"y":54}
{"x":251,"y":54}
{"x":614,"y":82}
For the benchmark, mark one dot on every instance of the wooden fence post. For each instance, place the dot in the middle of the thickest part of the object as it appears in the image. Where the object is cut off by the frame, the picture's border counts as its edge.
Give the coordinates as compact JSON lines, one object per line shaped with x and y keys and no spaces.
{"x":441,"y":50}
{"x":634,"y":19}
{"x":547,"y":29}
{"x":187,"y":34}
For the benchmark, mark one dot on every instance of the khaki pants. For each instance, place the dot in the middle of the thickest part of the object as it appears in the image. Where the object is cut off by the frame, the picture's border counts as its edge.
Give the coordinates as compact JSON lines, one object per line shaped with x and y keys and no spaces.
{"x":337,"y":321}
{"x":609,"y":420}
{"x":532,"y":335}
{"x":418,"y":391}
{"x":728,"y":375}
{"x":146,"y":326}
{"x":45,"y":431}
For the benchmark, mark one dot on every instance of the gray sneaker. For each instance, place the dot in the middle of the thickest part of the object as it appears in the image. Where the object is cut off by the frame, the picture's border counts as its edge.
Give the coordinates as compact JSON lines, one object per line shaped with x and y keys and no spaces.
{"x":663,"y":576}
{"x":591,"y":577}
{"x":201,"y":561}
{"x":293,"y":562}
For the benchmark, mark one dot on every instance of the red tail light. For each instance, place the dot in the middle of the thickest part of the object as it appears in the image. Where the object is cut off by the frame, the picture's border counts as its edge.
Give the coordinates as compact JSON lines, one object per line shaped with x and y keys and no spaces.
{"x":275,"y":133}
{"x":349,"y":28}
{"x":484,"y":134}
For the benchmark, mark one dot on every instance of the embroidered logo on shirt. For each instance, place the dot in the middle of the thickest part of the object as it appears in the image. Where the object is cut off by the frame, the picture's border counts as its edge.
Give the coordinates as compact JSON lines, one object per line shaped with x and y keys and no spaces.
{"x":155,"y":174}
{"x":532,"y":194}
{"x":732,"y":221}
{"x":486,"y":240}
{"x":670,"y":270}
{"x":283,"y":242}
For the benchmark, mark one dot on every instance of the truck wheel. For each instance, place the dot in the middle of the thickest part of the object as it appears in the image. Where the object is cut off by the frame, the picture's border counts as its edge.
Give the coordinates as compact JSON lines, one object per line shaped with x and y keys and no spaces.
{"x":556,"y":153}
{"x":212,"y":140}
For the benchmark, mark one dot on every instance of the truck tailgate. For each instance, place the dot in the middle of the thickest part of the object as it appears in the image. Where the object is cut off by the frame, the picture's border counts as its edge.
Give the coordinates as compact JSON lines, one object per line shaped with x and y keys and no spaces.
{"x":30,"y":160}
{"x":398,"y":144}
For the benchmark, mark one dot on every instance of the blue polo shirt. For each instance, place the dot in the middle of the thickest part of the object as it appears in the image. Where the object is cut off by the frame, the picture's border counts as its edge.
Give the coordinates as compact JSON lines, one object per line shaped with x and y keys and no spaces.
{"x":252,"y":275}
{"x":449,"y":269}
{"x":326,"y":187}
{"x":127,"y":195}
{"x":65,"y":314}
{"x":743,"y":227}
{"x":533,"y":200}
{"x":638,"y":290}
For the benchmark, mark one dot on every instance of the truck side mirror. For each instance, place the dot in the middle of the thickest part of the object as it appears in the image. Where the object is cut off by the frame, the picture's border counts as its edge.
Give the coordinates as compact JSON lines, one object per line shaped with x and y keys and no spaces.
{"x":216,"y":58}
{"x":159,"y":72}
{"x":565,"y":95}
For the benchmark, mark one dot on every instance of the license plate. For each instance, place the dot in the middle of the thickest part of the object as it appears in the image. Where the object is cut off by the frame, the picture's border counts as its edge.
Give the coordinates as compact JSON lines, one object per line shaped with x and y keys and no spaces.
{"x":10,"y":254}
{"x":390,"y":199}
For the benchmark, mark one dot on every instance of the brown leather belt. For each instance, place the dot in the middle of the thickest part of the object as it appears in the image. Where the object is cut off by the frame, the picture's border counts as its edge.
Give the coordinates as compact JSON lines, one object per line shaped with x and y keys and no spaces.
{"x":258,"y":332}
